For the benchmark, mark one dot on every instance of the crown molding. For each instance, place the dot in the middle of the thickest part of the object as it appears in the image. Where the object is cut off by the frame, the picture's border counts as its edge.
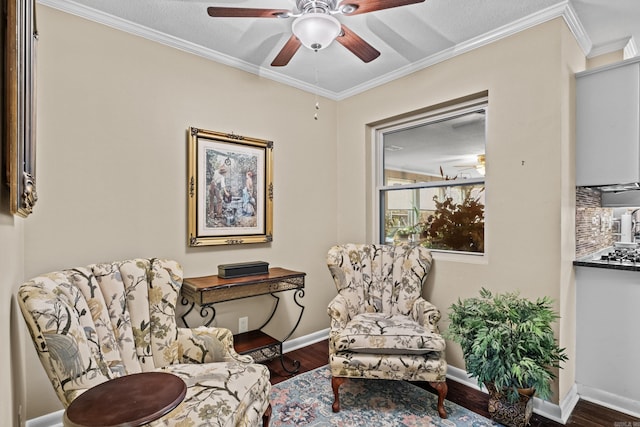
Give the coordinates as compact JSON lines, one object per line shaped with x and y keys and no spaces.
{"x":630,"y":49}
{"x":563,"y":9}
{"x":576,"y":27}
{"x":613,"y":46}
{"x":117,"y":23}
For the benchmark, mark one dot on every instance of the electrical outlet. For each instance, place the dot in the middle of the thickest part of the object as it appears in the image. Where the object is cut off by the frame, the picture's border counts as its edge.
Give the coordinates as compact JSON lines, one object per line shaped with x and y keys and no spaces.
{"x":243,"y":324}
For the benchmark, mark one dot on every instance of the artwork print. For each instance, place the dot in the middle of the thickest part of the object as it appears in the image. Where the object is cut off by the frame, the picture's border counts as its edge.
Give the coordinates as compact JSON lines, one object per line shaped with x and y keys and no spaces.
{"x":230,"y":193}
{"x":230,"y":189}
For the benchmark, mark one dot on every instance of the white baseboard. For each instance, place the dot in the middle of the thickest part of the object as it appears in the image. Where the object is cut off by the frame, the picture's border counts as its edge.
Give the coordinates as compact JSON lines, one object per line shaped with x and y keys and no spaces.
{"x":559,"y":413}
{"x":569,"y":403}
{"x":53,"y":419}
{"x":304,"y":341}
{"x":460,"y":376}
{"x":609,"y":400}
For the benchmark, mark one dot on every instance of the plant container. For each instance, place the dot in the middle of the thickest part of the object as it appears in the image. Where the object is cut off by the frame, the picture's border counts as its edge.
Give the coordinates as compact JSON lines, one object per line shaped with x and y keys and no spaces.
{"x":512,"y":414}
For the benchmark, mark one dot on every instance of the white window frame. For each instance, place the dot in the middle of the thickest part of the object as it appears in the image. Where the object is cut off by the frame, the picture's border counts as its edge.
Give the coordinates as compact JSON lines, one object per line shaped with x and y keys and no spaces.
{"x":377,"y":169}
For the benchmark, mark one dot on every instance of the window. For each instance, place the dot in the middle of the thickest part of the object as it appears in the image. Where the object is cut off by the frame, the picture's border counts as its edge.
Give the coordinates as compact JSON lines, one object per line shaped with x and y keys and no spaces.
{"x":430,"y":180}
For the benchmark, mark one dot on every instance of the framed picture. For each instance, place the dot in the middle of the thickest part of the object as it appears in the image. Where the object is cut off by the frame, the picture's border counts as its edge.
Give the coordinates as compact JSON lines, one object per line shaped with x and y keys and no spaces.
{"x":19,"y":106}
{"x":230,"y":189}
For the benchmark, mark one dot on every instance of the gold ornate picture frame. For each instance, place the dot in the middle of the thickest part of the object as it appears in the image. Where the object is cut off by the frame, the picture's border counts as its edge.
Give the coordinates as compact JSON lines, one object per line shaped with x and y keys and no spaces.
{"x":19,"y":105}
{"x":229,"y":189}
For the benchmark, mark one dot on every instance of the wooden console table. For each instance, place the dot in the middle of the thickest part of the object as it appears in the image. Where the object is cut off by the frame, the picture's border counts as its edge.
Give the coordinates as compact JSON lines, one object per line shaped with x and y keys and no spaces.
{"x":209,"y":290}
{"x":127,"y":401}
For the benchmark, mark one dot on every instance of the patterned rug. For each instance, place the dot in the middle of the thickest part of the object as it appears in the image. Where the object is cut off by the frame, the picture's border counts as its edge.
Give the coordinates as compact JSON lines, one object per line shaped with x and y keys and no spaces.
{"x":305,"y":400}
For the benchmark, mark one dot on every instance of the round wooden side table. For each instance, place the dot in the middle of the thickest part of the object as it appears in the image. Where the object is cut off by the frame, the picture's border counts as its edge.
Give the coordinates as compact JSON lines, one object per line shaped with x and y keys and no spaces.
{"x":131,"y":400}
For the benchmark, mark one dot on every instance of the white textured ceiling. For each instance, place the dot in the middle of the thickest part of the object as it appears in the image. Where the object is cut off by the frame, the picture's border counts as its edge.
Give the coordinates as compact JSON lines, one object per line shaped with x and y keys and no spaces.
{"x":409,"y":37}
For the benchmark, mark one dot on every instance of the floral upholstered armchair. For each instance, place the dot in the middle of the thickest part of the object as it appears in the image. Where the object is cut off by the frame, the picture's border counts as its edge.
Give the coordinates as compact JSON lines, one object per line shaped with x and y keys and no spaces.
{"x":381,"y":327}
{"x":95,"y":323}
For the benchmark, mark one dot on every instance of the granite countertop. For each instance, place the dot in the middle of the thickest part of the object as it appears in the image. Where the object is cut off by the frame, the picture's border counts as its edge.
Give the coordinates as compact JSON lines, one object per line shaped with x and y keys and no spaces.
{"x":593,"y":260}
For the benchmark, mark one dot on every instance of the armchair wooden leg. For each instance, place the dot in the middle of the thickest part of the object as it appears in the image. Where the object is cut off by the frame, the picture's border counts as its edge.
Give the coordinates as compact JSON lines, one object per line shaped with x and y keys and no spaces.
{"x":336,"y":382}
{"x":442,"y":389}
{"x":266,"y":417}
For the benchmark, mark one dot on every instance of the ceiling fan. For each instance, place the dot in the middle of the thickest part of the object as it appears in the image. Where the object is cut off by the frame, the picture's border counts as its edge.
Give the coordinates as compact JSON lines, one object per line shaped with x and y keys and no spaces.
{"x":479,"y":166}
{"x":315,"y":27}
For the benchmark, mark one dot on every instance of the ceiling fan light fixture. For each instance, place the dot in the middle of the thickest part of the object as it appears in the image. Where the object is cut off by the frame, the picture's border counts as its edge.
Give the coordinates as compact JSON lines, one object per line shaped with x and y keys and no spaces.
{"x":316,"y":30}
{"x":480,"y":166}
{"x":346,"y":9}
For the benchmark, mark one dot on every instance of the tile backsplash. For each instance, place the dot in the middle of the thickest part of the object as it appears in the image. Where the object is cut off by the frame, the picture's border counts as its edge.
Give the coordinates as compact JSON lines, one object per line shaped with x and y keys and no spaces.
{"x":593,"y":222}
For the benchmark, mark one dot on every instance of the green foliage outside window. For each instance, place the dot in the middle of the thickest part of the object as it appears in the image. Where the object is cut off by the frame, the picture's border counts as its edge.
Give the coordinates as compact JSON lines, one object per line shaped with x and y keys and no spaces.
{"x":456,"y":226}
{"x":452,"y":225}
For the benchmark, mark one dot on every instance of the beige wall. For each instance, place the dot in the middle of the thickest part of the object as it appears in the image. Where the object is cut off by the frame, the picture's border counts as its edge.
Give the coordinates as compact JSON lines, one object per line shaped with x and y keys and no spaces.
{"x":605,"y":59}
{"x":112,"y":116}
{"x":529,"y":183}
{"x":113,"y":113}
{"x":11,"y":266}
{"x":570,"y":60}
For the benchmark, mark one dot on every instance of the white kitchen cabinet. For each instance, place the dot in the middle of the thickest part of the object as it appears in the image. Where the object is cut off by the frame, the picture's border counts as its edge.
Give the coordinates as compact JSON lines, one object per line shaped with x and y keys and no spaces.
{"x":607,"y":337}
{"x":608,"y":125}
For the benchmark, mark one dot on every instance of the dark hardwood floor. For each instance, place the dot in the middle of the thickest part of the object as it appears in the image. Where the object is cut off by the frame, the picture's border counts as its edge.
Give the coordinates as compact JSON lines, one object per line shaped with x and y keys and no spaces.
{"x":585,"y":414}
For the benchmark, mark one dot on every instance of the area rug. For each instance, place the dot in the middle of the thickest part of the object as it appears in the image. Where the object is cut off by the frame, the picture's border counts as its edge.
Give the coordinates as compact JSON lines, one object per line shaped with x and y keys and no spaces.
{"x":305,"y":400}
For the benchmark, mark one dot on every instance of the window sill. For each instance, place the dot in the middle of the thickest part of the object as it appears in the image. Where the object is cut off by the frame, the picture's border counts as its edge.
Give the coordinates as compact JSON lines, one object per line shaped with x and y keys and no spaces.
{"x":465,"y":257}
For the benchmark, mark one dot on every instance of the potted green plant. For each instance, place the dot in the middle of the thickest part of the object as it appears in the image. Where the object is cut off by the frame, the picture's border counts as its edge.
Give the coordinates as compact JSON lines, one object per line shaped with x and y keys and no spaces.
{"x":509,"y":346}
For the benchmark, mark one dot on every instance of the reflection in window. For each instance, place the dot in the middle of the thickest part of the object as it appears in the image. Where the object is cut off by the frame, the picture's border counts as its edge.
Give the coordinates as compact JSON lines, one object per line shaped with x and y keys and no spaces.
{"x":432,"y":189}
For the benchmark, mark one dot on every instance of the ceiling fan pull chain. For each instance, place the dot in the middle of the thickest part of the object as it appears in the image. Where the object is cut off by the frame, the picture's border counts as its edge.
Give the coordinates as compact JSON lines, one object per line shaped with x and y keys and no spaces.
{"x":315,"y":70}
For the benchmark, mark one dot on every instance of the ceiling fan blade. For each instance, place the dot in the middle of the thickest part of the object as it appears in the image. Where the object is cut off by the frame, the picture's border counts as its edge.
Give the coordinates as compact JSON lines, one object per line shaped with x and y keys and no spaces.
{"x":286,"y":53}
{"x":357,"y":45}
{"x":365,"y":6}
{"x":241,"y":12}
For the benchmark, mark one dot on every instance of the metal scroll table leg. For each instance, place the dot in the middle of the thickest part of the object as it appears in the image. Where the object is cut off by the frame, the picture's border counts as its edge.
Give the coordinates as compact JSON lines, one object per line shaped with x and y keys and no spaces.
{"x":275,"y":307}
{"x":296,"y":363}
{"x":204,"y":312}
{"x":184,"y":316}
